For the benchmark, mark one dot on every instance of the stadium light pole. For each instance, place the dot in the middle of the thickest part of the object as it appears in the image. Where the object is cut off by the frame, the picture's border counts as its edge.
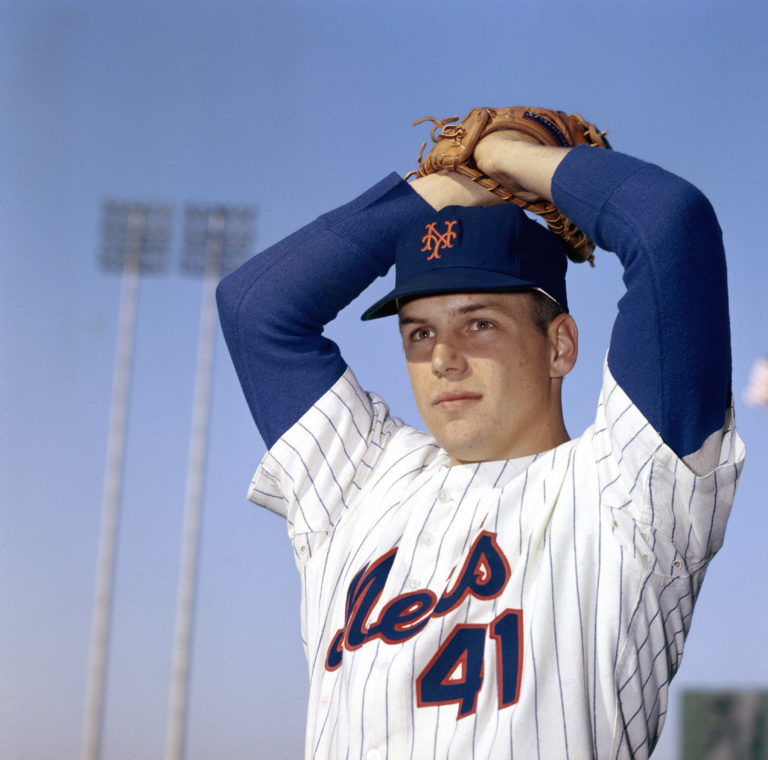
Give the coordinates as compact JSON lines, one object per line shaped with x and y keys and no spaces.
{"x":217,"y":239}
{"x":135,"y":239}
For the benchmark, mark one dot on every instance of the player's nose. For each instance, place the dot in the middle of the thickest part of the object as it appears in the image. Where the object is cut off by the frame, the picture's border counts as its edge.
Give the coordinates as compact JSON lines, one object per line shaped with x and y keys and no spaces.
{"x":448,"y":360}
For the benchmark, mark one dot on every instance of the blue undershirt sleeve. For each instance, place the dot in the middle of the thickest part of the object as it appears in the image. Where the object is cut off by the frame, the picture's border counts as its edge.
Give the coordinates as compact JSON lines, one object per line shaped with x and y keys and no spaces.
{"x":273,"y":308}
{"x":670,"y":346}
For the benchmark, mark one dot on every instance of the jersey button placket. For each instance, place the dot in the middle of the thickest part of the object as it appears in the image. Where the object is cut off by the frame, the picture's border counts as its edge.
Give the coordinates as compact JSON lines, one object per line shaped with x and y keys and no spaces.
{"x":423,"y":559}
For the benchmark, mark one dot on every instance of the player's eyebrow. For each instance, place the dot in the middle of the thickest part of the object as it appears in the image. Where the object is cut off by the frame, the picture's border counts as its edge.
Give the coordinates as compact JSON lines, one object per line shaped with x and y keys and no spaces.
{"x":468,"y":309}
{"x":479,"y":307}
{"x":410,"y":320}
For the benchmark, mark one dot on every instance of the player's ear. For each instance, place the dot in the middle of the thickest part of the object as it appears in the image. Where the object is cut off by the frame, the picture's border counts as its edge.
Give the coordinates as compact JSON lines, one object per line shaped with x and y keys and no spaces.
{"x":564,"y":344}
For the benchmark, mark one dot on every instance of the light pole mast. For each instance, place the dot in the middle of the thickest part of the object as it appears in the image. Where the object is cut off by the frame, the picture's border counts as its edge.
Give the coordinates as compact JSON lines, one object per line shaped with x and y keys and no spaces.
{"x":217,"y":239}
{"x":136,"y":239}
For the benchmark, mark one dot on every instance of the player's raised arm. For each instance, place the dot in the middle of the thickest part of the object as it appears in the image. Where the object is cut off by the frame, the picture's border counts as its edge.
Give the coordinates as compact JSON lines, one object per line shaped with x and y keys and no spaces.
{"x":273,"y":308}
{"x":670,"y":347}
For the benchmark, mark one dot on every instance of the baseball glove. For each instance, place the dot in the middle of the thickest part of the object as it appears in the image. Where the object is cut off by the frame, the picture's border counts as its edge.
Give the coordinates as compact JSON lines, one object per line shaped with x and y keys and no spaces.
{"x":454,"y":145}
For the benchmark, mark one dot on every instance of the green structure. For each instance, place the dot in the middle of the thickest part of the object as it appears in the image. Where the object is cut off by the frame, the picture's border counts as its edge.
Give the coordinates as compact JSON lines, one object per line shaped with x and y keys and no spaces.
{"x":725,"y":725}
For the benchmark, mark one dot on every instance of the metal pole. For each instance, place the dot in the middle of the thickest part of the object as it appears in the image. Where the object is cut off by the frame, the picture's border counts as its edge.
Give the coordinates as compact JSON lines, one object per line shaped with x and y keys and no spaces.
{"x":94,"y":699}
{"x":177,"y":709}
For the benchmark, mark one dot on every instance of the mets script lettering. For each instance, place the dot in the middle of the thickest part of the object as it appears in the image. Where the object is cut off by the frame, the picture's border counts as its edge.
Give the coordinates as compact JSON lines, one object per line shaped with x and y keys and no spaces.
{"x":434,"y":241}
{"x":454,"y":675}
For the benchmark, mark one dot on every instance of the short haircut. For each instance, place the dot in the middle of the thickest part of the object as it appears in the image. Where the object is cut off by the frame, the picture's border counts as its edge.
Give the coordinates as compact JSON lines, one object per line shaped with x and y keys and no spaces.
{"x":544,"y":309}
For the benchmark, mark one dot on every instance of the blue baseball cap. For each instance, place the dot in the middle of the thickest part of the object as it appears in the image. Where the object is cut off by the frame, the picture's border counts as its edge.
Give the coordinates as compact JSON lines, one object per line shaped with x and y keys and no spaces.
{"x":473,"y":249}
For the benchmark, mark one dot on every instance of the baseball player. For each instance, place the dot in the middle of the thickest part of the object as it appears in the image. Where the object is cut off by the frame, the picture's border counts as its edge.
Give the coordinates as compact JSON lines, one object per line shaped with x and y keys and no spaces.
{"x":494,"y":588}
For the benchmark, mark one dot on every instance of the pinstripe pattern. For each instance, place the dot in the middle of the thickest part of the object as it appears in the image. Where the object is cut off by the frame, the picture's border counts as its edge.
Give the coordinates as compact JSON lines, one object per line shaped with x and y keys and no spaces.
{"x":606,"y":540}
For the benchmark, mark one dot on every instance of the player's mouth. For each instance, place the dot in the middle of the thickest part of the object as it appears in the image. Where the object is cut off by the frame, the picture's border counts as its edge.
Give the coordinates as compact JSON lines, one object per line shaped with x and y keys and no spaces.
{"x":455,"y":400}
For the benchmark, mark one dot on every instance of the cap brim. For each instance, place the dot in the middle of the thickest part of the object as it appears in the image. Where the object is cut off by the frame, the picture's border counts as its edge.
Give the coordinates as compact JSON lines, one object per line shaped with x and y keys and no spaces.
{"x":443,"y":282}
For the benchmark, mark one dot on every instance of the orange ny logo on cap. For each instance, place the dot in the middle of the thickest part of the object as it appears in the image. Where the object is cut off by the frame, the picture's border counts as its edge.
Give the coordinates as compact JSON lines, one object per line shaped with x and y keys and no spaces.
{"x":434,"y":241}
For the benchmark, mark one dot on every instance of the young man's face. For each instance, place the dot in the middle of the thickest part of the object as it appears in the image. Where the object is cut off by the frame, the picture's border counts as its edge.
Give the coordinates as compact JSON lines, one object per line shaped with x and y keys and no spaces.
{"x":485,"y":379}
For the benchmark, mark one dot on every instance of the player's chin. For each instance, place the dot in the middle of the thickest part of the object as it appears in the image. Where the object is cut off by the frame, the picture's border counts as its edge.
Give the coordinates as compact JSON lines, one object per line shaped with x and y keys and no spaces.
{"x":464,"y":445}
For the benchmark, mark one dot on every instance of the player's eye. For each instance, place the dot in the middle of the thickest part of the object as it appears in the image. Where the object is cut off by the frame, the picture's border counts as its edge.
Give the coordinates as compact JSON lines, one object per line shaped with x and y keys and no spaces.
{"x":482,"y":324}
{"x":421,"y":333}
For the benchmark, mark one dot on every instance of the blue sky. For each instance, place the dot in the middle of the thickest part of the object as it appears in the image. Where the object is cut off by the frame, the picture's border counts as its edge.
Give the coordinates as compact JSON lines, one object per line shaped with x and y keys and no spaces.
{"x":294,"y":107}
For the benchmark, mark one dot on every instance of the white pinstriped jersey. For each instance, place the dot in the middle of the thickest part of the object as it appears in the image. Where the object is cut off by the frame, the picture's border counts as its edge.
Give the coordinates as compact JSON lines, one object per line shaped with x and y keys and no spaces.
{"x":531,"y":608}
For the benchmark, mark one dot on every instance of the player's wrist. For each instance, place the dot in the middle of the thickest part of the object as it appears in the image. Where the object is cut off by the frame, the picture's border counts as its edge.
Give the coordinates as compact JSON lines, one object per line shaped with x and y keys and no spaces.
{"x":519,"y":163}
{"x":503,"y":155}
{"x":446,"y":188}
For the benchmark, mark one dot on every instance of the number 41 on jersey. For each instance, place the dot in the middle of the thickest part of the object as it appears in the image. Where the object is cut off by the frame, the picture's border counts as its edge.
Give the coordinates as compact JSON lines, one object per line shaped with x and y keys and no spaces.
{"x":455,"y":673}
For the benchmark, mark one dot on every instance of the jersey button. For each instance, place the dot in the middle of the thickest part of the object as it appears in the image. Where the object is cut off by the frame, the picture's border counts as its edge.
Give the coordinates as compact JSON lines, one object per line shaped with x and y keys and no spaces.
{"x":373,"y":754}
{"x":444,"y":496}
